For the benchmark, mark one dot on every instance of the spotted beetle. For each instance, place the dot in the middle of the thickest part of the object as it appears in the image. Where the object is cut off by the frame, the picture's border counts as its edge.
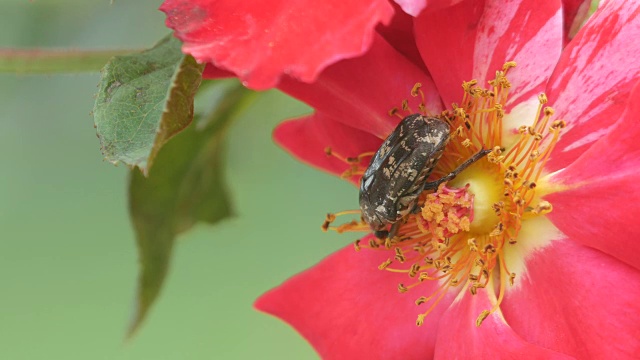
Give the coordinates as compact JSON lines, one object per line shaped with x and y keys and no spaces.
{"x":398,"y":171}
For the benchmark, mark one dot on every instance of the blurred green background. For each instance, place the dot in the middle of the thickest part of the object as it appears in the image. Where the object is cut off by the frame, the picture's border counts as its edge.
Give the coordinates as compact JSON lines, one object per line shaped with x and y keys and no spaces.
{"x":68,"y":262}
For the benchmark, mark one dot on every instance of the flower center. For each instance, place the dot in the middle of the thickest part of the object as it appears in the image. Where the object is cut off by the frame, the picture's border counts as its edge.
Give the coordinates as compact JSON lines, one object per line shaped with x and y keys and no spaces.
{"x":462,"y":232}
{"x":486,"y":191}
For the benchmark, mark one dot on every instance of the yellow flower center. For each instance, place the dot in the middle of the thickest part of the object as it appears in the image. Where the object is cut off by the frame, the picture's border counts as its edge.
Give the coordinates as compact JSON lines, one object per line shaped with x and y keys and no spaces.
{"x":461,"y":236}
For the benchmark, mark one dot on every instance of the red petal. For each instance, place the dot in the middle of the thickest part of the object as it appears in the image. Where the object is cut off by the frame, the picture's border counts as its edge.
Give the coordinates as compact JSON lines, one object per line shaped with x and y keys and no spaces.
{"x":475,"y":38}
{"x":578,"y":301}
{"x":594,"y":77}
{"x":460,"y":338}
{"x":261,"y":40}
{"x":603,"y":215}
{"x":415,"y":7}
{"x":308,"y":137}
{"x":412,"y":7}
{"x":600,"y":207}
{"x":399,"y":34}
{"x":212,"y":72}
{"x":576,"y":12}
{"x":348,"y":309}
{"x":360,"y":92}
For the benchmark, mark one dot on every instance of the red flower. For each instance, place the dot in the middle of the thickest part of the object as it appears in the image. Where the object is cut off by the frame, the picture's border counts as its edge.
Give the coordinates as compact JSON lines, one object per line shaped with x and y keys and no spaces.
{"x":578,"y":280}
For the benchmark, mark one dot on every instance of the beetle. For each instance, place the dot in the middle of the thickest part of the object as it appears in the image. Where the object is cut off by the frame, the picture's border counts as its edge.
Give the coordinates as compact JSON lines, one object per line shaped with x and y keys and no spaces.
{"x":399,"y":170}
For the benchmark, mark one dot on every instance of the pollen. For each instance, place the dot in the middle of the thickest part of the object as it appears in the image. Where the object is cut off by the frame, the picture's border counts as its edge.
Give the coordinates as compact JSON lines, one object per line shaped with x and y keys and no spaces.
{"x":446,"y":212}
{"x":459,"y":234}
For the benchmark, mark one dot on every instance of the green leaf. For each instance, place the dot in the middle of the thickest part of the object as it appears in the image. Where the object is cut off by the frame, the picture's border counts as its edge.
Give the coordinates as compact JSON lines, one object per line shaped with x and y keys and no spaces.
{"x":186,"y":185}
{"x":143,"y":100}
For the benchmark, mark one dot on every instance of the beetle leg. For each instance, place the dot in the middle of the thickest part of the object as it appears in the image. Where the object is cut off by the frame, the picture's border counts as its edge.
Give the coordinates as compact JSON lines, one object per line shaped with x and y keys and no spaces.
{"x":381,"y":234}
{"x":384,"y":234}
{"x":434,"y":184}
{"x":393,"y":230}
{"x":416,"y":209}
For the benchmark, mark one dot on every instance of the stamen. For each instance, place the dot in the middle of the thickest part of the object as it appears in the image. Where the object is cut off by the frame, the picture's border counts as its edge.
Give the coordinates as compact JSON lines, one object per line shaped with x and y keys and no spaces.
{"x":416,"y":91}
{"x":355,"y":163}
{"x":405,"y":106}
{"x":448,"y":239}
{"x":483,"y":315}
{"x":353,"y":225}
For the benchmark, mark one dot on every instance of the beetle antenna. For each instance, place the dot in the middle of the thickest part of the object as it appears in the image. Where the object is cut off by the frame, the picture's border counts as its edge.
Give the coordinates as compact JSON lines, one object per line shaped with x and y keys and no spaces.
{"x":434,"y":184}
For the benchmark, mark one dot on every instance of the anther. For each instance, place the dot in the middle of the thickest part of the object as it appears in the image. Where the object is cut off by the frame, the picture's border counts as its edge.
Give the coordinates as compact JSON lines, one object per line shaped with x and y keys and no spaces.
{"x":402,"y":289}
{"x":475,"y":92}
{"x":548,"y":111}
{"x":415,"y":89}
{"x":327,"y":221}
{"x":414,"y":270}
{"x":508,"y":65}
{"x":489,"y":249}
{"x":543,"y":207}
{"x":385,"y":264}
{"x":519,"y":201}
{"x":419,"y":249}
{"x":542,"y":98}
{"x":497,"y":207}
{"x":485,"y":273}
{"x":534,"y":155}
{"x":469,"y":84}
{"x":472,"y":244}
{"x":482,"y":317}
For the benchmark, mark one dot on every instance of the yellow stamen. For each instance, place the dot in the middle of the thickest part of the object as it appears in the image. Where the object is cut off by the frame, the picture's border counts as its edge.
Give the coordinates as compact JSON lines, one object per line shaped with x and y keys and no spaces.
{"x":463,"y":228}
{"x":356,"y":167}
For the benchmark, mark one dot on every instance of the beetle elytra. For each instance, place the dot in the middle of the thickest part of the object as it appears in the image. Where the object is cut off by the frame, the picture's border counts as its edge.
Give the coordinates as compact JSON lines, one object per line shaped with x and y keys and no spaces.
{"x":398,"y":171}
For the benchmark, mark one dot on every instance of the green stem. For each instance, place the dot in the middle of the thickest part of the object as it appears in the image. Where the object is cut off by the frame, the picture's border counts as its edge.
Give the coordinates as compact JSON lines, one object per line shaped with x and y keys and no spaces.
{"x":47,"y":61}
